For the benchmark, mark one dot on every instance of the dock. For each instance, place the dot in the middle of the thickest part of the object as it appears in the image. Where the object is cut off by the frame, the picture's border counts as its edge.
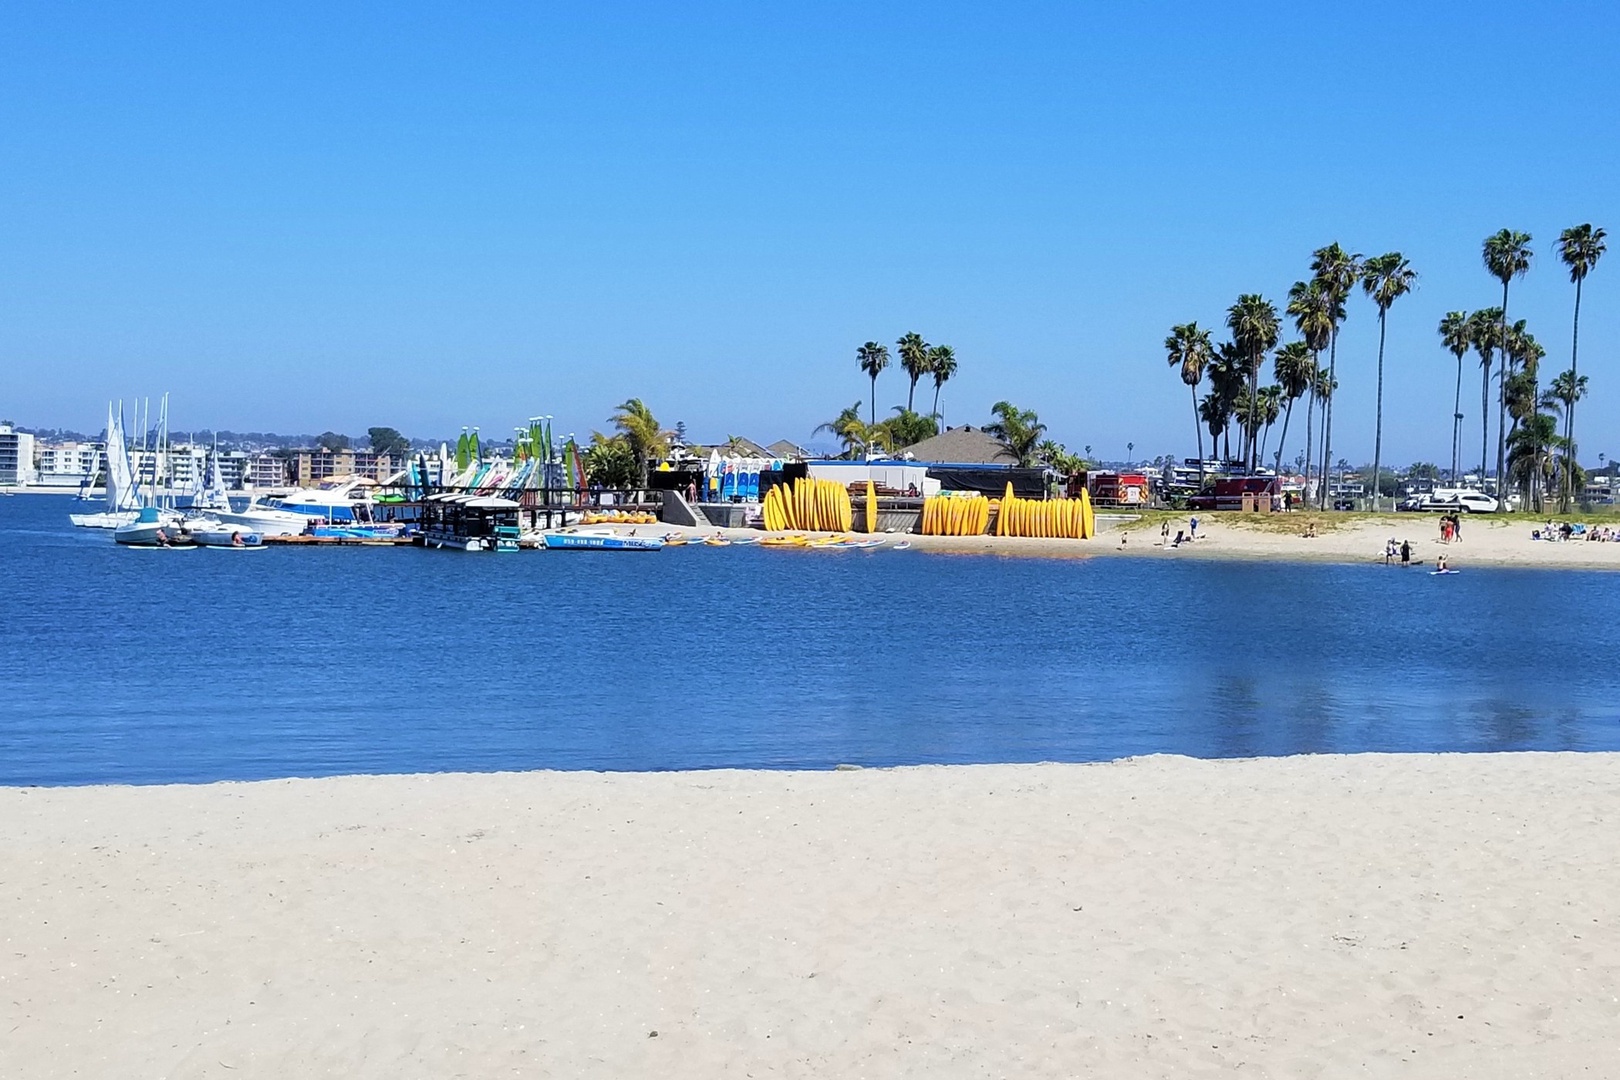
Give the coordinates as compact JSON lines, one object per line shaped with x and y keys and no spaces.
{"x":340,"y":541}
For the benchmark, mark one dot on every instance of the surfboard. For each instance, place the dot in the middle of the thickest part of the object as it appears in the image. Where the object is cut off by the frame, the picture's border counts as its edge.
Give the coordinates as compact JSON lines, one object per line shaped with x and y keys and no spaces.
{"x":1437,"y":573}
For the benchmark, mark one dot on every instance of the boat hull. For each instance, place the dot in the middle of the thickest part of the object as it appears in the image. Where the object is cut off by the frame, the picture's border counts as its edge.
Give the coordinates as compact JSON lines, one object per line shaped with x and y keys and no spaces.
{"x":585,"y":542}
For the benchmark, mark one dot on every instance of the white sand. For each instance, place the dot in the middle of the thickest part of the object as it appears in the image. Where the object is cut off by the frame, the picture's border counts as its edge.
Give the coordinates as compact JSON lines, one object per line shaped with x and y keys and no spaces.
{"x":1421,"y":916}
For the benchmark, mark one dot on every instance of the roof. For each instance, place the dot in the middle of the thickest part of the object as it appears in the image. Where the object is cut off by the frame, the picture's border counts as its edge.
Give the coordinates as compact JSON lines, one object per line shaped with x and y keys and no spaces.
{"x":784,"y":449}
{"x":962,"y":446}
{"x":742,"y":448}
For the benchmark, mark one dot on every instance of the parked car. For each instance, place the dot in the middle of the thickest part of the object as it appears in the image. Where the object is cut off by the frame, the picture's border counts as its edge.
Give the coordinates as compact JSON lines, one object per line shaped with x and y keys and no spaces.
{"x":1468,"y":502}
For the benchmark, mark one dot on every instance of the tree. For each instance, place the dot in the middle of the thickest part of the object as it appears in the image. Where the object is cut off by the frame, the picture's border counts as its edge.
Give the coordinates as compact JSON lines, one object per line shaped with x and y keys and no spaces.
{"x":873,"y":359}
{"x":609,"y":461}
{"x":1580,"y":248}
{"x":385,"y":440}
{"x":1055,"y":455}
{"x":1019,"y":430}
{"x":1295,"y":371}
{"x":1385,"y":279}
{"x":1457,"y":337}
{"x":913,"y":352}
{"x":1190,"y":349}
{"x":641,"y":431}
{"x":1530,"y":455}
{"x":1226,"y":380}
{"x":907,"y":428}
{"x":1253,"y":322}
{"x":1485,"y":331}
{"x":1567,"y":388}
{"x":1336,"y":271}
{"x":1311,"y":308}
{"x":1506,"y":255}
{"x":332,"y":441}
{"x":942,"y":366}
{"x":848,"y":428}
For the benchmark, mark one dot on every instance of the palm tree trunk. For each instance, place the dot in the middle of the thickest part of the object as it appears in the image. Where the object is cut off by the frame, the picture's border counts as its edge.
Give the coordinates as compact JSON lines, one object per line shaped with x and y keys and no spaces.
{"x":911,"y":395}
{"x":1327,"y":412}
{"x":1310,"y":407}
{"x":1378,"y":424}
{"x":1198,"y":424}
{"x":1456,"y":421}
{"x":935,"y":413}
{"x":1288,"y":415}
{"x":1253,"y":429}
{"x":1484,"y":418}
{"x":874,"y":400}
{"x":1501,"y":412}
{"x":1568,"y":482}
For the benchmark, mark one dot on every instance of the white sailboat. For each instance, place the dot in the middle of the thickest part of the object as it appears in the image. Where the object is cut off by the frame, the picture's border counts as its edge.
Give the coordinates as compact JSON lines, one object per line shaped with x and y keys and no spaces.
{"x":123,"y":501}
{"x":152,"y":526}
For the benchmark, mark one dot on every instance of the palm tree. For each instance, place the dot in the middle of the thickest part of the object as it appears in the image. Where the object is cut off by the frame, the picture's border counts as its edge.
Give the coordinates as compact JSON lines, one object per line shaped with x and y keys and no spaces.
{"x":906,"y":428}
{"x":1385,"y":279}
{"x":1530,"y":456}
{"x":1253,"y":322}
{"x":1456,"y":337}
{"x":641,"y":430}
{"x":1294,"y":369}
{"x":1216,"y":413}
{"x":913,"y":352}
{"x":1227,"y":380}
{"x":1190,"y":349}
{"x":1270,"y":408}
{"x":1507,"y":255}
{"x":1019,"y":430}
{"x":1485,"y":331}
{"x":1567,"y":388}
{"x":942,"y":366}
{"x":1336,"y":270}
{"x":1312,"y":311}
{"x":1580,"y":248}
{"x":873,"y":359}
{"x":849,"y":429}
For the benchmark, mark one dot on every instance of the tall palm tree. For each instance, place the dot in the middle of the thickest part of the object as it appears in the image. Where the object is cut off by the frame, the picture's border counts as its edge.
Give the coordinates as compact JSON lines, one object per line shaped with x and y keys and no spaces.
{"x":1580,"y":248}
{"x":1322,"y":388}
{"x":913,"y":352}
{"x":641,"y":430}
{"x":873,"y":358}
{"x":942,"y":366}
{"x":1385,"y":279}
{"x":1337,"y":270}
{"x":1485,"y":331}
{"x":1270,"y":408}
{"x":1507,"y":255}
{"x":1456,"y":337}
{"x":1253,"y":322}
{"x":1019,"y":430}
{"x":1190,"y":349}
{"x":1530,"y":455}
{"x":1294,"y":369}
{"x":1313,"y":315}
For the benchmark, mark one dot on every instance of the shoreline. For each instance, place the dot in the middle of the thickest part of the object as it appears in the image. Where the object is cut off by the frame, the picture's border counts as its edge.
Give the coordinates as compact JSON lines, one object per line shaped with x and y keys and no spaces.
{"x":1485,"y":543}
{"x":1147,"y":916}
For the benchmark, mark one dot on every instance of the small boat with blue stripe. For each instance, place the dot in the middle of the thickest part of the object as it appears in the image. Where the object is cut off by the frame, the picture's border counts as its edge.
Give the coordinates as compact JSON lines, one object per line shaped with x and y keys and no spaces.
{"x":599,"y":540}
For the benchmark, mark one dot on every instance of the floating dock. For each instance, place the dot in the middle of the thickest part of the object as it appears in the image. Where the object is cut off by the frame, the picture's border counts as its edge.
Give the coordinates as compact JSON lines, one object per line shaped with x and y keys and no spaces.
{"x":341,"y":541}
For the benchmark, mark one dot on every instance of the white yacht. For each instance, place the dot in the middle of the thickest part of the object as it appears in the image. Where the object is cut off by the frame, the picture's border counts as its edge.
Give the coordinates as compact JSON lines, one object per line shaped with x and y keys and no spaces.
{"x":289,"y":514}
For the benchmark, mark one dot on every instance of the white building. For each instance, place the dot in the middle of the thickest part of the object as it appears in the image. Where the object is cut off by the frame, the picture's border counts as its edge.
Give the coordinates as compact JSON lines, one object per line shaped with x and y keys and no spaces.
{"x":66,"y":465}
{"x":16,"y":456}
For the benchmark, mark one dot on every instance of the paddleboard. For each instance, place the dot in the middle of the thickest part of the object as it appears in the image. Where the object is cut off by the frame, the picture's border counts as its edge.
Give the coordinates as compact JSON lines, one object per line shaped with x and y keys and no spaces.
{"x":1437,"y":573}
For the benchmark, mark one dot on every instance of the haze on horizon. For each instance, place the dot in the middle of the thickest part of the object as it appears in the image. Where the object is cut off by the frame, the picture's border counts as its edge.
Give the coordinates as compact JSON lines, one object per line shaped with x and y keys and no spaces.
{"x":302,"y":218}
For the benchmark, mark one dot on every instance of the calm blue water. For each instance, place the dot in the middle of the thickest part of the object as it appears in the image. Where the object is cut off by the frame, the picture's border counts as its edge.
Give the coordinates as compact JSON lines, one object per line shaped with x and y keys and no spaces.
{"x":136,"y":666}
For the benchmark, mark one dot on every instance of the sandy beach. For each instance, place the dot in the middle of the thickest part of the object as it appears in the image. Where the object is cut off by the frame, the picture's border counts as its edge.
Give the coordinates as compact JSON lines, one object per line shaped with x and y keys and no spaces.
{"x":1438,"y":916}
{"x":1278,"y":538}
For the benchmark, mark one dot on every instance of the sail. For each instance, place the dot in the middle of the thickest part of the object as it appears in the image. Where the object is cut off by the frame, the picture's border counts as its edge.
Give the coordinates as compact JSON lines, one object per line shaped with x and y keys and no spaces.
{"x":121,"y":494}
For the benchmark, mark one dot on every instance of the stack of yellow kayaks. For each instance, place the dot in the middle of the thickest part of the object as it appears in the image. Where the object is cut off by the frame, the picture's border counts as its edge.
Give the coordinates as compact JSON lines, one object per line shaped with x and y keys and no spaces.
{"x":810,"y":504}
{"x":1065,"y":519}
{"x":955,"y":515}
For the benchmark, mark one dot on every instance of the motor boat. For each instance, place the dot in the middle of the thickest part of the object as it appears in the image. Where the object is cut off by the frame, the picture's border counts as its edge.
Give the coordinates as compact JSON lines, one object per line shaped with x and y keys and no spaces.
{"x":215,"y":535}
{"x":599,"y":540}
{"x":292,"y":513}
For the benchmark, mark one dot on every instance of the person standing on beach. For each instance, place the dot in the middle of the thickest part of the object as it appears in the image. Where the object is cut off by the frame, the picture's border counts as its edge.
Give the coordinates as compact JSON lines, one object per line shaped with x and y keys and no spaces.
{"x":1406,"y":553}
{"x":1164,"y":533}
{"x":1456,"y":527}
{"x":1192,"y":528}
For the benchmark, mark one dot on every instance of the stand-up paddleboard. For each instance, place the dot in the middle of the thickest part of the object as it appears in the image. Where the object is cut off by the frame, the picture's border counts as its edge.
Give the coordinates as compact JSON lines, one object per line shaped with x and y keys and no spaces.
{"x":1437,"y":573}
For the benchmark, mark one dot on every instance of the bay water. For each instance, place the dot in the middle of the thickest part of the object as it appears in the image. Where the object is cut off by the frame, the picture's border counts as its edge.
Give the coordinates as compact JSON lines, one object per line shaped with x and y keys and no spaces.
{"x":121,"y":666}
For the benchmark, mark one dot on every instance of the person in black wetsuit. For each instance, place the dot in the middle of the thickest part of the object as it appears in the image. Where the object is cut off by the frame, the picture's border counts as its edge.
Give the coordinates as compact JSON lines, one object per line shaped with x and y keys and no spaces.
{"x":1406,"y":553}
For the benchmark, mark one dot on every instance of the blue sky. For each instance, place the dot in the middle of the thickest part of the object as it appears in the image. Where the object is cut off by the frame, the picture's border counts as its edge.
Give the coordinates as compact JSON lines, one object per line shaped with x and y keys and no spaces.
{"x":300,"y":217}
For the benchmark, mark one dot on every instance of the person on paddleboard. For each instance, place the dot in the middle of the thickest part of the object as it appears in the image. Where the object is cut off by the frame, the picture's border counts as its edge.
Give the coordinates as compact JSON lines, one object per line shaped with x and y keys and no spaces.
{"x":1440,"y":564}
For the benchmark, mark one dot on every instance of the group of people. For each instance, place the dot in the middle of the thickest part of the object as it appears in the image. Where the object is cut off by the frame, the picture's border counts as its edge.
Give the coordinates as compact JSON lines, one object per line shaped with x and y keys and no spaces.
{"x":1563,"y":531}
{"x":1450,"y":528}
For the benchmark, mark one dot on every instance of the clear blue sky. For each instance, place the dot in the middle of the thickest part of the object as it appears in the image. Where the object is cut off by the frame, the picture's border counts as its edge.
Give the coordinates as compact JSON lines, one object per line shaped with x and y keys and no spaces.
{"x":299,"y":217}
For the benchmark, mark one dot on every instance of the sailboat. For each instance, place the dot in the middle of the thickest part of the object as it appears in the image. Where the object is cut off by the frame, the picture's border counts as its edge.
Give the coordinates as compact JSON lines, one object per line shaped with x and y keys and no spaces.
{"x":122,"y":498}
{"x":152,"y":526}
